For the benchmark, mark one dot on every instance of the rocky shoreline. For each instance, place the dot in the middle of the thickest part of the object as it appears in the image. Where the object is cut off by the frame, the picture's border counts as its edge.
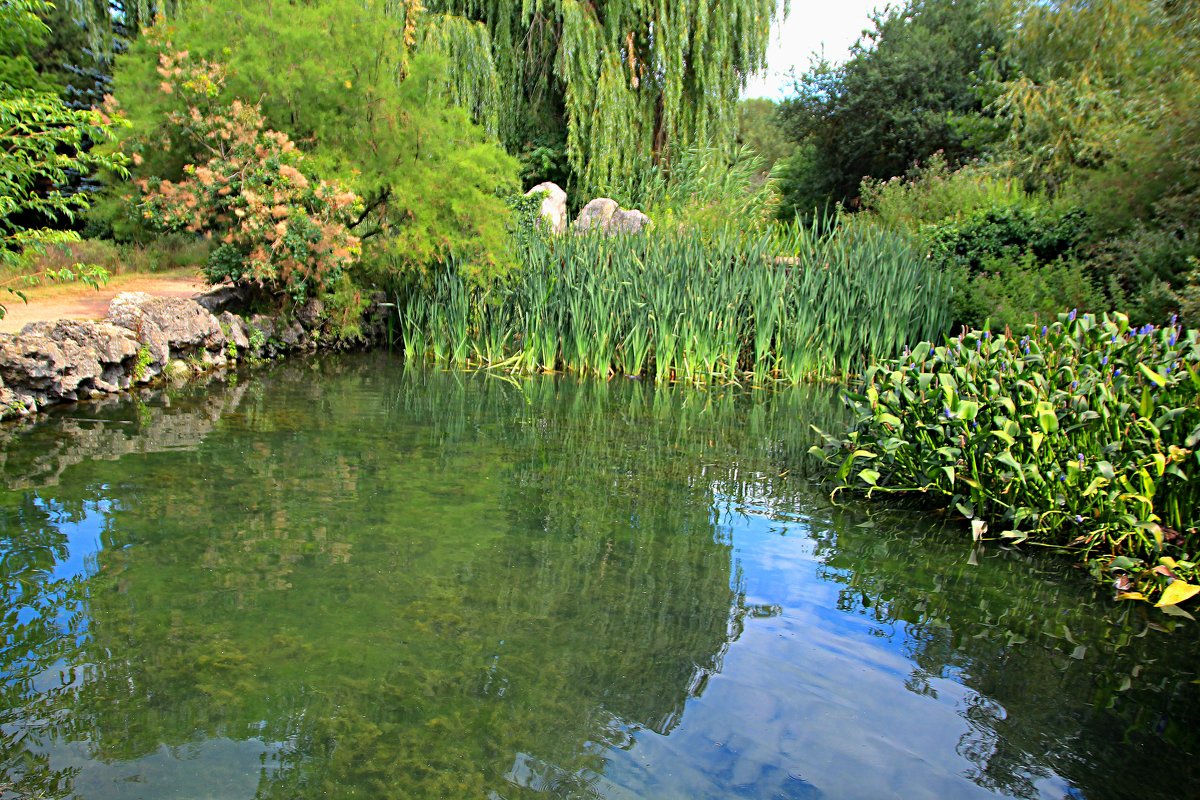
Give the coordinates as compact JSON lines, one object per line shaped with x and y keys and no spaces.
{"x":143,"y":338}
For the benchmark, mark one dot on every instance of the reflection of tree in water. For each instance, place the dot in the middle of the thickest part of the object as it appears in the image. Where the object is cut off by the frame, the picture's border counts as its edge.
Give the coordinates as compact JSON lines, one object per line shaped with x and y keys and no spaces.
{"x":468,"y":585}
{"x":1041,"y":702}
{"x":42,"y":617}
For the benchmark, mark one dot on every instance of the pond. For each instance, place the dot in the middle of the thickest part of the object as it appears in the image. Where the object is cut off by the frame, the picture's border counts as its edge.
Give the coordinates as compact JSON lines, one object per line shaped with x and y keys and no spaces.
{"x":342,"y":578}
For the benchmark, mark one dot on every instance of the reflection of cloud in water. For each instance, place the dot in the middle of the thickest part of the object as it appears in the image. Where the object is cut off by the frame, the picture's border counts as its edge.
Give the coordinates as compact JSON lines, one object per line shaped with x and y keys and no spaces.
{"x":213,"y":768}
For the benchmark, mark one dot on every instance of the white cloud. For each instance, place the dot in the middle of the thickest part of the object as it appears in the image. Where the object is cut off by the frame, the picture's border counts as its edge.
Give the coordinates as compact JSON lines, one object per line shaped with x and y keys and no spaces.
{"x":812,"y":25}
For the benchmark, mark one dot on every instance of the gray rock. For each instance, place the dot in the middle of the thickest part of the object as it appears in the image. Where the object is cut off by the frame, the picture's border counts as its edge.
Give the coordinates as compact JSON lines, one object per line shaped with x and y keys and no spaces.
{"x":186,"y":325}
{"x":294,"y":337}
{"x":554,"y":206}
{"x":311,"y":314}
{"x":234,"y":328}
{"x":632,"y":221}
{"x":596,"y":214}
{"x":223,"y":298}
{"x":65,"y":360}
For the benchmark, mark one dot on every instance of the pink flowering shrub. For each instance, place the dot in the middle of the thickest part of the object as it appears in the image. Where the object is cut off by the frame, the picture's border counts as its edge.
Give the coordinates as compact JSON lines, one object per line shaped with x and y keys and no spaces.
{"x":275,"y":223}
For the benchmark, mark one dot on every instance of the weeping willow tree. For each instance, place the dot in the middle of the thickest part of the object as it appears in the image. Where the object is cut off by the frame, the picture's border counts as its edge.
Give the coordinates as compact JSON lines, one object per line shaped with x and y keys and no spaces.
{"x":628,"y":82}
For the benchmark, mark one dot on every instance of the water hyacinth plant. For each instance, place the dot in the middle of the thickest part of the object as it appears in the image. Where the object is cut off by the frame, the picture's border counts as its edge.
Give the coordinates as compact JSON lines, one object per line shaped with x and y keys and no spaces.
{"x":678,"y":305}
{"x":1080,"y":435}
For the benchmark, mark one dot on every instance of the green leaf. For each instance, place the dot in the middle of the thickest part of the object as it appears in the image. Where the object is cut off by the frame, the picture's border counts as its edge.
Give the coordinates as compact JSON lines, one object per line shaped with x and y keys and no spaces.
{"x":1047,"y":419}
{"x":1152,"y":375}
{"x":869,"y":476}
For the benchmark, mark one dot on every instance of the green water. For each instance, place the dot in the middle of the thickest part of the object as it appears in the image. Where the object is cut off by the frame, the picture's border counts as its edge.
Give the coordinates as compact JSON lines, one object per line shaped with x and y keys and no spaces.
{"x":340,"y":579}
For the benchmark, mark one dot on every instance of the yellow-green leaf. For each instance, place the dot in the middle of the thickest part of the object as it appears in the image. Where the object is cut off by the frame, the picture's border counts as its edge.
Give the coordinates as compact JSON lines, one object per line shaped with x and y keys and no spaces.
{"x":1152,"y":375}
{"x":1176,"y":593}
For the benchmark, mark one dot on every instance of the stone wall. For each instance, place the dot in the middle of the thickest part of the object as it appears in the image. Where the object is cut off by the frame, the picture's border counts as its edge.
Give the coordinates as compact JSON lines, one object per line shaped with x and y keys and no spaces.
{"x":141,"y":338}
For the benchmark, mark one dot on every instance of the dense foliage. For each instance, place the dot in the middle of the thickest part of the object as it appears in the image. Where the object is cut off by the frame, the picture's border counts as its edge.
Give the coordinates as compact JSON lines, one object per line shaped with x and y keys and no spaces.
{"x":1081,"y":435}
{"x":43,"y":143}
{"x":902,"y":96}
{"x":1091,"y":109}
{"x":680,"y":305}
{"x":341,"y":81}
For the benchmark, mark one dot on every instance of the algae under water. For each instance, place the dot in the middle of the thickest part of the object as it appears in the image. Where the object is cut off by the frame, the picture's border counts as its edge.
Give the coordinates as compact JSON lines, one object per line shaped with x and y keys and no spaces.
{"x":342,"y":578}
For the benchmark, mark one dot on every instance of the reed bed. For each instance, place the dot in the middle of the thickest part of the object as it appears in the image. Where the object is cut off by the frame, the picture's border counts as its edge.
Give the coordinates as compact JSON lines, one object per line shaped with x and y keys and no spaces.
{"x":727,"y":307}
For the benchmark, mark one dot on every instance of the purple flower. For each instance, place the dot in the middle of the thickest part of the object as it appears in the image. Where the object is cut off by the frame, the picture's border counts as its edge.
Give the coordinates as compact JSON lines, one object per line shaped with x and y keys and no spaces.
{"x":1043,"y":330}
{"x":1078,"y":518}
{"x":1174,"y":318}
{"x":1104,"y":361}
{"x":1116,"y":372}
{"x":1171,"y":339}
{"x":1074,"y":385}
{"x":1071,"y":316}
{"x":1081,"y":458}
{"x":987,"y":334}
{"x":948,"y":413}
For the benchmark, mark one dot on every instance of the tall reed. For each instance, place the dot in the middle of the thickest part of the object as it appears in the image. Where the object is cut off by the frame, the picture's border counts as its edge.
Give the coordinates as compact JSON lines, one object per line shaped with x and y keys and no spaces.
{"x":723,"y":307}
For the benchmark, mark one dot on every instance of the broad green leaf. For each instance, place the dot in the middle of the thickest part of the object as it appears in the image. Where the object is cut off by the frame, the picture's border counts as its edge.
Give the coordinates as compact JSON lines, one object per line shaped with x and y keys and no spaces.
{"x":869,"y":476}
{"x":1047,"y":419}
{"x":1176,"y":593}
{"x":1159,"y":380}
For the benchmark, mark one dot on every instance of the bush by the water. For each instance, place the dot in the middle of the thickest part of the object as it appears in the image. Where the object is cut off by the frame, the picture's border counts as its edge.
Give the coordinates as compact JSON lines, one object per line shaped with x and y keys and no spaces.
{"x":1079,"y":435}
{"x":680,"y":305}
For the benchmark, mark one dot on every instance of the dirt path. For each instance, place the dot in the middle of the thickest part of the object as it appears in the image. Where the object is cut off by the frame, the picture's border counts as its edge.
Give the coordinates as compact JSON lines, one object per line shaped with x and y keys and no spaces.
{"x":77,"y":301}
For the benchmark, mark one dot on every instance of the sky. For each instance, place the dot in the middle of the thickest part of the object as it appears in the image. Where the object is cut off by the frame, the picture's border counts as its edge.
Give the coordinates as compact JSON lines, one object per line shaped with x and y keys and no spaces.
{"x":813,"y":24}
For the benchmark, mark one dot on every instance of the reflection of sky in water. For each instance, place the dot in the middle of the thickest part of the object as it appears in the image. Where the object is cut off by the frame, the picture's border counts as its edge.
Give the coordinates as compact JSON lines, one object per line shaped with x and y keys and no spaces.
{"x":811,"y":702}
{"x":213,"y":768}
{"x":83,"y":537}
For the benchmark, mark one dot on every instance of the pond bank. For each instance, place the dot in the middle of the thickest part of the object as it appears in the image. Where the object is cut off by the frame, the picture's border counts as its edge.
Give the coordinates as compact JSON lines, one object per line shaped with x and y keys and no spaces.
{"x":144,"y":337}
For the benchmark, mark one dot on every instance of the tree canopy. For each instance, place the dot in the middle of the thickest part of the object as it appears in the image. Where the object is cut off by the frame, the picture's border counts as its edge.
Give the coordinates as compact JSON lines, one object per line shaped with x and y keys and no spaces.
{"x":903,"y":95}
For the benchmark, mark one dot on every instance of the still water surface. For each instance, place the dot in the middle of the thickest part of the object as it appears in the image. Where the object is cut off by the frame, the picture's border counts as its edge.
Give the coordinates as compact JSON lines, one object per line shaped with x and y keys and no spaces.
{"x":339,"y":578}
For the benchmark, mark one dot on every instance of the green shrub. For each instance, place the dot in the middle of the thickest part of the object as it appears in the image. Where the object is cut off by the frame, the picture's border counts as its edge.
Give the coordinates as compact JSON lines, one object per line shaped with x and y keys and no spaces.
{"x":1081,"y":435}
{"x":1006,"y":233}
{"x":936,"y":194}
{"x":1011,"y":293}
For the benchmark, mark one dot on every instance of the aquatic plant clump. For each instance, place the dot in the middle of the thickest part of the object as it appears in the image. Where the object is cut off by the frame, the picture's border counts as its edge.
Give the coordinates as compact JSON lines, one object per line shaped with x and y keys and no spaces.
{"x":727,"y":307}
{"x":1080,"y":435}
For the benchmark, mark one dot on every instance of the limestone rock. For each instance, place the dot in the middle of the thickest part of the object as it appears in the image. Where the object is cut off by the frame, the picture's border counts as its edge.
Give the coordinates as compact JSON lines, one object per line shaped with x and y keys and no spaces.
{"x":294,"y":337}
{"x":186,"y":325}
{"x":605,"y":215}
{"x":632,"y":221}
{"x":554,"y":206}
{"x":49,"y":362}
{"x":234,"y":328}
{"x":596,"y":214}
{"x":223,"y":298}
